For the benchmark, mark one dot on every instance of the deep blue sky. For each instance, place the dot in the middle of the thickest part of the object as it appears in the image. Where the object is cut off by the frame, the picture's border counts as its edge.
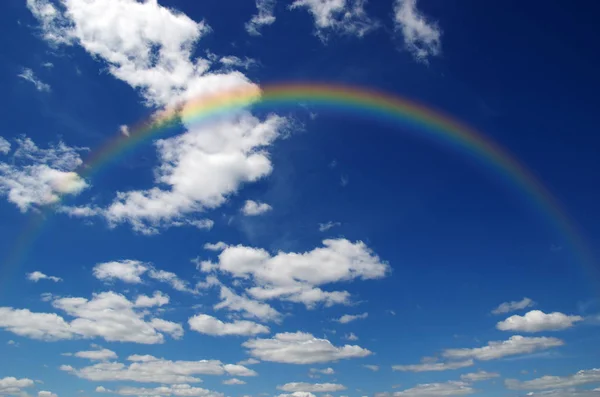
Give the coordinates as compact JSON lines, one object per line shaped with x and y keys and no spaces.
{"x":458,"y":238}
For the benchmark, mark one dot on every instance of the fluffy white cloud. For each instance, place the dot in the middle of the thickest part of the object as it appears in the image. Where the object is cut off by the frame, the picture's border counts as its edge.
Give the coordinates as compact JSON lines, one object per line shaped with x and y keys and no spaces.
{"x":298,"y":394}
{"x":4,"y":146}
{"x":169,"y":327}
{"x":346,"y":318}
{"x":234,"y":381}
{"x":157,"y":299}
{"x":346,"y":17}
{"x":479,"y":376}
{"x":97,"y":355}
{"x":38,"y":177}
{"x":301,"y":348}
{"x":372,"y":367}
{"x":182,"y":390}
{"x":149,"y":369}
{"x":209,"y":325}
{"x":45,"y":393}
{"x":295,"y":276}
{"x":433,"y":366}
{"x":128,"y":271}
{"x":508,"y":307}
{"x":248,"y":307}
{"x":37,"y":276}
{"x":253,"y":208}
{"x":434,"y":390}
{"x":11,"y":385}
{"x":219,"y":246}
{"x":172,"y":279}
{"x":582,"y":377}
{"x":311,"y":387}
{"x":264,"y":16}
{"x":516,"y":344}
{"x":324,"y":371}
{"x":28,"y":75}
{"x":537,"y":321}
{"x":45,"y":326}
{"x":421,"y":36}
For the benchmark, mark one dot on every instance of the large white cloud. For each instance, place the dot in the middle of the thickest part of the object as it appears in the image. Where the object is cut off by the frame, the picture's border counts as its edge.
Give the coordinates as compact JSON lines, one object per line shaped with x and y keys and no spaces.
{"x":301,"y":348}
{"x":507,"y":307}
{"x":421,"y":36}
{"x":11,"y":385}
{"x":425,"y":367}
{"x":37,"y":177}
{"x":516,"y":344}
{"x":537,"y":321}
{"x":346,"y":17}
{"x":295,"y":276}
{"x":582,"y":377}
{"x":434,"y":390}
{"x":210,"y":325}
{"x":311,"y":387}
{"x":149,"y":369}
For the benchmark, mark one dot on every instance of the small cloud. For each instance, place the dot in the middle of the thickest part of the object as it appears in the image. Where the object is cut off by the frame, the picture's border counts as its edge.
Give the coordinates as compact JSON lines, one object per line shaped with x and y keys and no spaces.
{"x":351,"y":336}
{"x":48,"y":65}
{"x":344,"y":180}
{"x":421,"y":36}
{"x":124,"y":130}
{"x":253,"y":208}
{"x":265,"y":16}
{"x":12,"y":343}
{"x":512,"y":306}
{"x":326,"y":226}
{"x":333,"y":164}
{"x":390,"y":312}
{"x":28,"y":75}
{"x":37,"y":276}
{"x":346,"y":318}
{"x":373,"y":368}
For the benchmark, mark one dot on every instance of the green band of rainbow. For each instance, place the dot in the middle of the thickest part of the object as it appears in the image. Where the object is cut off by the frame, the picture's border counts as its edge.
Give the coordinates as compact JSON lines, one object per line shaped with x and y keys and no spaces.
{"x":432,"y":124}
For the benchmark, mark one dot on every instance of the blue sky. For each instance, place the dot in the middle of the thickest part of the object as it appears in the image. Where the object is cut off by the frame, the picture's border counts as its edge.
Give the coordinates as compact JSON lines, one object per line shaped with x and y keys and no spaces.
{"x":296,"y":252}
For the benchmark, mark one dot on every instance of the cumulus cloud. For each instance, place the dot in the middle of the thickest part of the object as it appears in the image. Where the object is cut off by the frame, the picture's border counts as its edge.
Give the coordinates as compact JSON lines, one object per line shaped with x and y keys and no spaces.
{"x":11,"y":385}
{"x":433,"y":390}
{"x":179,"y":390}
{"x":28,"y":75}
{"x":248,"y":307}
{"x":45,"y":393}
{"x":301,"y":348}
{"x":127,"y":271}
{"x":512,"y":306}
{"x":537,"y":321}
{"x":209,"y":325}
{"x":347,"y":17}
{"x":37,"y":276}
{"x":149,"y":369}
{"x":234,"y":381}
{"x":157,"y":299}
{"x":421,"y":36}
{"x":39,"y":177}
{"x":433,"y":366}
{"x":311,"y":387}
{"x":347,"y":318}
{"x":516,"y":344}
{"x":97,"y":355}
{"x":582,"y":377}
{"x":253,"y":208}
{"x":295,"y":277}
{"x":107,"y":315}
{"x":479,"y":376}
{"x":264,"y":16}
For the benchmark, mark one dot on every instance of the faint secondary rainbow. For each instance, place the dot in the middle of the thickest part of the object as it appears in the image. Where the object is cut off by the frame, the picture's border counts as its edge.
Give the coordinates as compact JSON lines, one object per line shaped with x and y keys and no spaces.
{"x":431,"y":123}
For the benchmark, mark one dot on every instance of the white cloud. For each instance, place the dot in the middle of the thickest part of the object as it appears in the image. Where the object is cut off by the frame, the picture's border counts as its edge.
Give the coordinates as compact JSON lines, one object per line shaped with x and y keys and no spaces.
{"x":209,"y":325}
{"x":4,"y":146}
{"x":172,"y":279}
{"x":301,"y":348}
{"x":11,"y":385}
{"x":433,"y":366}
{"x":12,"y":343}
{"x":128,"y":271}
{"x":38,"y":177}
{"x":234,"y":381}
{"x":157,"y":299}
{"x":351,"y":336}
{"x":295,"y":276}
{"x":28,"y":75}
{"x":249,"y":361}
{"x":180,"y":390}
{"x":434,"y":390}
{"x":264,"y":16}
{"x":516,"y":344}
{"x":249,"y":308}
{"x":45,"y":326}
{"x":570,"y":392}
{"x":508,"y":307}
{"x":48,"y":65}
{"x":326,"y":226}
{"x":537,"y":321}
{"x":37,"y":276}
{"x":253,"y":208}
{"x":45,"y":393}
{"x":124,"y":129}
{"x":231,"y":61}
{"x":97,"y":355}
{"x":346,"y":318}
{"x":479,"y":376}
{"x":421,"y":36}
{"x":149,"y":369}
{"x":53,"y":24}
{"x":311,"y":387}
{"x":347,"y":17}
{"x":219,"y":246}
{"x":371,"y":367}
{"x":324,"y":371}
{"x":582,"y":377}
{"x":169,"y":327}
{"x":299,"y":394}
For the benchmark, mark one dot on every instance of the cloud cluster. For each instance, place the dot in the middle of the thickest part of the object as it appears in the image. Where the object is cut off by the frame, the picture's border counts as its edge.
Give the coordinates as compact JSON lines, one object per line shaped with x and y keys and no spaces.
{"x":11,"y":385}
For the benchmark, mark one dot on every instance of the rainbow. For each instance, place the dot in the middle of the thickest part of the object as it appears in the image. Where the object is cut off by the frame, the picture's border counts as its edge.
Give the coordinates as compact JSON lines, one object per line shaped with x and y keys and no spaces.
{"x":431,"y":123}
